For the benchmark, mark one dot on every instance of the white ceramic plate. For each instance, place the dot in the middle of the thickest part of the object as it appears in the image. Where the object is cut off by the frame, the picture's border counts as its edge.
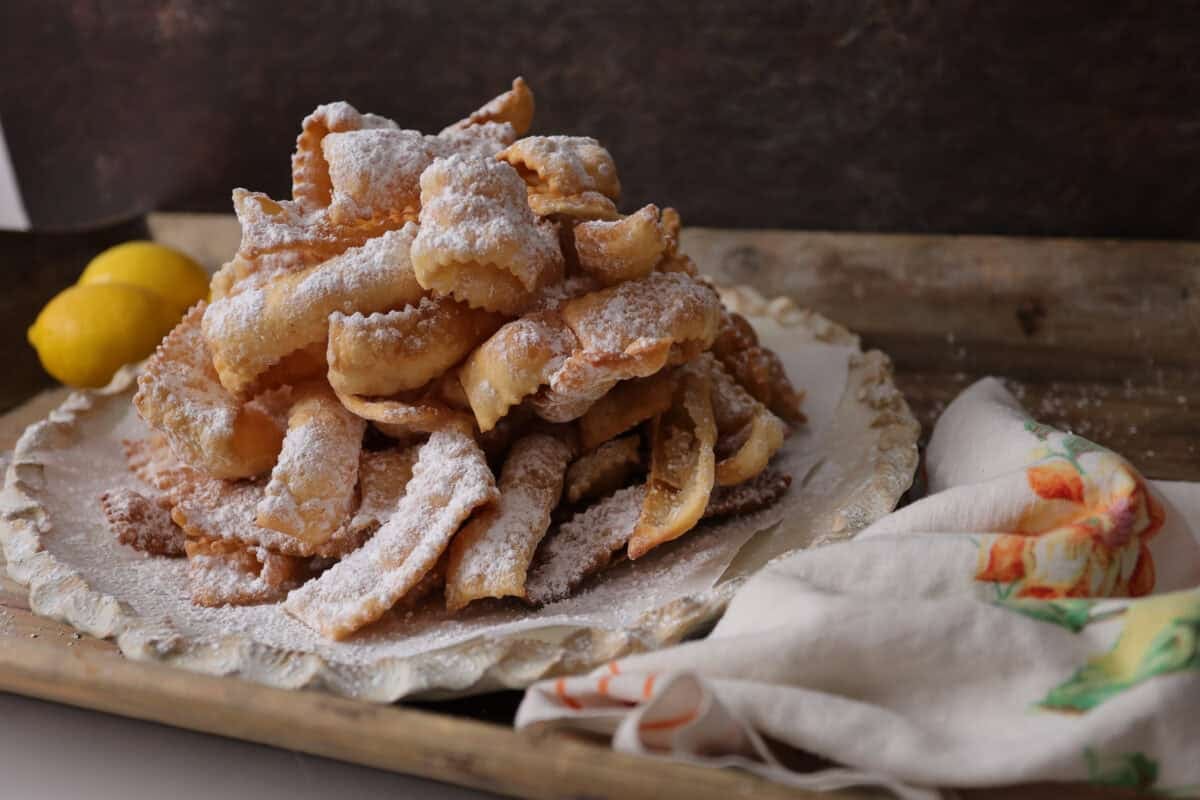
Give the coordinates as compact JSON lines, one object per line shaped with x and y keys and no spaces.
{"x":849,"y":466}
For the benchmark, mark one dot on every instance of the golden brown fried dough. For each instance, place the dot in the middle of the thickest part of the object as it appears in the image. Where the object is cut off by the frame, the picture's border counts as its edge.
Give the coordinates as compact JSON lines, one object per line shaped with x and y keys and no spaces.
{"x":682,"y":466}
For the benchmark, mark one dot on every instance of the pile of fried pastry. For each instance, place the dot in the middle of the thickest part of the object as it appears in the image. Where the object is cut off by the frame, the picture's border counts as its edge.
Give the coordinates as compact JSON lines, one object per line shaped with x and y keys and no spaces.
{"x":449,"y":365}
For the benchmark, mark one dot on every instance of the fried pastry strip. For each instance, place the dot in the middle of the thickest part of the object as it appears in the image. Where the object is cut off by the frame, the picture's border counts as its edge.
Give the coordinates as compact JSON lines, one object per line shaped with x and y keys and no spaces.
{"x":513,"y":363}
{"x":603,"y":470}
{"x":553,"y":297}
{"x":152,"y":461}
{"x":760,"y":440}
{"x":756,"y":368}
{"x":583,"y":545}
{"x":397,"y":351}
{"x":673,"y":260}
{"x":297,"y":235}
{"x":179,"y":394}
{"x":634,"y":329}
{"x":251,"y":330}
{"x":431,"y":583}
{"x":628,"y":404}
{"x":758,"y":493}
{"x":449,"y":390}
{"x":672,"y":225}
{"x":383,"y":475}
{"x":484,"y":140}
{"x":208,"y":508}
{"x":514,"y":107}
{"x":401,"y":417}
{"x":300,"y":366}
{"x":478,"y":241}
{"x":499,"y":439}
{"x":310,"y":172}
{"x":311,"y":490}
{"x":227,"y":511}
{"x":571,"y":176}
{"x":450,"y":481}
{"x":740,"y":418}
{"x":225,"y":573}
{"x":560,"y":407}
{"x":662,"y":307}
{"x":142,"y":523}
{"x":375,"y":173}
{"x":490,"y":556}
{"x":621,"y":250}
{"x":682,"y":466}
{"x":283,"y":236}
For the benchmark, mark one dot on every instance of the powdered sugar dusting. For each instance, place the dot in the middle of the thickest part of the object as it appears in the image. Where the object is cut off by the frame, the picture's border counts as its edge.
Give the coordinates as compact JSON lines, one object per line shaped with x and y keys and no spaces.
{"x":733,"y":406}
{"x":311,"y":490}
{"x":513,"y":363}
{"x":411,"y":329}
{"x":253,"y":329}
{"x":556,"y":405}
{"x":155,"y":589}
{"x":179,"y":392}
{"x":649,"y":308}
{"x":755,"y":494}
{"x":450,"y":480}
{"x":310,"y":173}
{"x":236,"y":578}
{"x":565,"y":165}
{"x":213,"y":509}
{"x":141,"y":523}
{"x":491,"y":555}
{"x":584,"y":545}
{"x":375,"y":172}
{"x":552,"y":297}
{"x":270,"y":226}
{"x":383,"y":476}
{"x":608,"y":466}
{"x":474,"y":211}
{"x":483,"y":140}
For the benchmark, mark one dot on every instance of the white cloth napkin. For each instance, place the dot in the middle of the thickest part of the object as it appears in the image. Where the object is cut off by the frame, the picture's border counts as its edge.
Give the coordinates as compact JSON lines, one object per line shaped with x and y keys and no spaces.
{"x":969,"y":639}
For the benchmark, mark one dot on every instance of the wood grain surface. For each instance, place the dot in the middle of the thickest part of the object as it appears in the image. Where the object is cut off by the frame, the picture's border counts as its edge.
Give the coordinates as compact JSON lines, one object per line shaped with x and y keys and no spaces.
{"x":1072,"y":118}
{"x":1097,"y":336}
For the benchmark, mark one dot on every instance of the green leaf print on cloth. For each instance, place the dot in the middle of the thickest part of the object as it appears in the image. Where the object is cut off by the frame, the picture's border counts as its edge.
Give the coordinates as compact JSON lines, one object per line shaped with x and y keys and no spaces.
{"x":1160,"y":635}
{"x":1129,"y":770}
{"x":1041,"y":431}
{"x":1072,"y":613}
{"x":1072,"y":445}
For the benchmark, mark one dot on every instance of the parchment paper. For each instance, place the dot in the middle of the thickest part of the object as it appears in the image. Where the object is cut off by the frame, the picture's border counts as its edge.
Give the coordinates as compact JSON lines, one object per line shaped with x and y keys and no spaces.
{"x":63,"y":467}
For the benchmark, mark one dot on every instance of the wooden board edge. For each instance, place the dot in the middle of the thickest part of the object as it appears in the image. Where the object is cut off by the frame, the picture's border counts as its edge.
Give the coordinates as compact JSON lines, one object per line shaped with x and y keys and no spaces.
{"x":449,"y":749}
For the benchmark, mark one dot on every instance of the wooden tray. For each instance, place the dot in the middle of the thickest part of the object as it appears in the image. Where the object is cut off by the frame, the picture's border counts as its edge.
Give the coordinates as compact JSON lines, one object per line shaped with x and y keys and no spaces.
{"x":1099,"y":337}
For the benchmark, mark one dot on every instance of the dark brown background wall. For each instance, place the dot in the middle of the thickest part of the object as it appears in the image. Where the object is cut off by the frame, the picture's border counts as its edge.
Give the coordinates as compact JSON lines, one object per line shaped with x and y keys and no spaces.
{"x":1077,"y":117}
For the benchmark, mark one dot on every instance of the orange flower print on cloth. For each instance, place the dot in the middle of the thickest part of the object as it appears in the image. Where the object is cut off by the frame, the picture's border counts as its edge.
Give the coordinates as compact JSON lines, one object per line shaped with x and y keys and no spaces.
{"x":1086,"y":529}
{"x":1058,"y":480}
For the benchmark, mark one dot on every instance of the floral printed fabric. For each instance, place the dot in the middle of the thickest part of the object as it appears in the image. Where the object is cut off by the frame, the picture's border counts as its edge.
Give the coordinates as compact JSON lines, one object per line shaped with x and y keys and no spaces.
{"x":1035,"y":617}
{"x":1086,"y":530}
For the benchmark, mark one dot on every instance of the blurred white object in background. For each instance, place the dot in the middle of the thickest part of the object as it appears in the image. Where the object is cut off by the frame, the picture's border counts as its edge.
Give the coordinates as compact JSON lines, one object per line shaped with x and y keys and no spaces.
{"x":12,"y":208}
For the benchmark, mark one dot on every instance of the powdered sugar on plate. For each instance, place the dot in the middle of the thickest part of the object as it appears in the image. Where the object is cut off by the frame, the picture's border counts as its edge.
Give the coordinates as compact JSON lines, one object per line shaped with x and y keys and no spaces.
{"x":830,"y":463}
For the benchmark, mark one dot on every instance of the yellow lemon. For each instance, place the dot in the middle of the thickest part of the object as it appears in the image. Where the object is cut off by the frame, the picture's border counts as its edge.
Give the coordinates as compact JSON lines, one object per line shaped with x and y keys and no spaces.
{"x":86,"y":332}
{"x":166,"y":272}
